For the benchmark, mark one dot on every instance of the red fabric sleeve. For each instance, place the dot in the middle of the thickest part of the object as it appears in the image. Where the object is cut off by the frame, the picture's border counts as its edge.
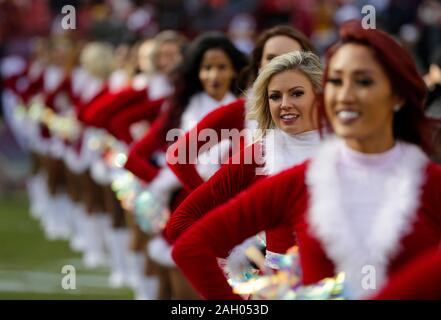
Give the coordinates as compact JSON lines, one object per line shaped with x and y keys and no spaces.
{"x":226,"y":183}
{"x":418,"y":280}
{"x":138,"y":161}
{"x":99,"y":112}
{"x":81,"y":107}
{"x":11,"y":81}
{"x":33,"y":88}
{"x":230,"y":116}
{"x":119,"y":125}
{"x":72,"y":96}
{"x":63,"y":86}
{"x":265,"y":205}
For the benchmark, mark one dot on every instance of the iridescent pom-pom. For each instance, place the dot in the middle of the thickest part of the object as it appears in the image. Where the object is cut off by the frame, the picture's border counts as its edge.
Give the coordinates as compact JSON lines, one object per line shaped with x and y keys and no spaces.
{"x":286,"y":284}
{"x":126,"y":186}
{"x":150,"y":214}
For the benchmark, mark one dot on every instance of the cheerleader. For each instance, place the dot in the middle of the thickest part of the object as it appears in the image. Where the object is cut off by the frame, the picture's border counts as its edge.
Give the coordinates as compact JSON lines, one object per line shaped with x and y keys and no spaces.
{"x":156,"y":58}
{"x":369,"y":197}
{"x":96,"y":59}
{"x":27,"y":88}
{"x":283,"y":103}
{"x":203,"y":81}
{"x":128,"y":121}
{"x":273,"y":42}
{"x":189,"y":92}
{"x":117,"y":237}
{"x":55,"y":100}
{"x":150,"y":83}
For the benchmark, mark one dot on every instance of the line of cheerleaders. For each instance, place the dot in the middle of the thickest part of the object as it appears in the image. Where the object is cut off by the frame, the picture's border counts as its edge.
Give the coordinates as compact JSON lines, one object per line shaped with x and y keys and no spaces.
{"x":332,"y":196}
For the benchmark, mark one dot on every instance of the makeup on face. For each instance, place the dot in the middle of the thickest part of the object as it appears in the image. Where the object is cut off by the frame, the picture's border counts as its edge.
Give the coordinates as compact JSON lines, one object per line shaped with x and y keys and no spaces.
{"x":358,"y":97}
{"x":276,"y":46}
{"x":216,"y":73}
{"x":168,"y":56}
{"x":291,"y":100}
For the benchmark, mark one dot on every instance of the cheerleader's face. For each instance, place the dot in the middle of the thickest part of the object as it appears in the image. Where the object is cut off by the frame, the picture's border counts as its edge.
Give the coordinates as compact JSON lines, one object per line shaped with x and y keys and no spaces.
{"x":276,"y":46}
{"x":121,"y":56}
{"x":359,"y":100}
{"x":291,"y":99}
{"x":145,"y":56}
{"x":169,"y":55}
{"x":216,"y":73}
{"x":60,"y":54}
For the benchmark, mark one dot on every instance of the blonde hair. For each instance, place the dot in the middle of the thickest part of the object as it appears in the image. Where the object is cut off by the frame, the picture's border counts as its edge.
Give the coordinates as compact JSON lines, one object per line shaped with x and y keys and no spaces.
{"x":304,"y":61}
{"x":97,"y":59}
{"x":166,"y":36}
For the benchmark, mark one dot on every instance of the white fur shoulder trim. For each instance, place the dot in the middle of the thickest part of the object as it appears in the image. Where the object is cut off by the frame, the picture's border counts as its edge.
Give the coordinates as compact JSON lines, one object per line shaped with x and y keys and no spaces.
{"x":329,"y":223}
{"x":237,"y":263}
{"x":74,"y":161}
{"x":100,"y":172}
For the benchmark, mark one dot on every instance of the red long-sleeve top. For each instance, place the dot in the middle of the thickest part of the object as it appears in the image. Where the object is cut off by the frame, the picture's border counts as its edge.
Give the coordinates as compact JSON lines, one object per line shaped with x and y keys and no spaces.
{"x":230,"y":116}
{"x":34,"y":87}
{"x":138,"y":161}
{"x":102,"y":109}
{"x":10,"y":82}
{"x":119,"y":125}
{"x":230,"y":180}
{"x":63,"y":87}
{"x":285,"y":199}
{"x":418,"y":280}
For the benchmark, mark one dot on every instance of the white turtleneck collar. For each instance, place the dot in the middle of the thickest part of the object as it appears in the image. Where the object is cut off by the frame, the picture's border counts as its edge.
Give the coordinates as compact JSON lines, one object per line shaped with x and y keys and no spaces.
{"x":52,"y":78}
{"x":92,"y":87}
{"x":283,"y":150}
{"x":159,"y":86}
{"x":353,"y":158}
{"x":199,"y":106}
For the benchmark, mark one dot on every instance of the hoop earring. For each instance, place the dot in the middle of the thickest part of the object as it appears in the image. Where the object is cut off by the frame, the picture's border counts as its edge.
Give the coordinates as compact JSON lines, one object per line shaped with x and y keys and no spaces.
{"x":397,"y":107}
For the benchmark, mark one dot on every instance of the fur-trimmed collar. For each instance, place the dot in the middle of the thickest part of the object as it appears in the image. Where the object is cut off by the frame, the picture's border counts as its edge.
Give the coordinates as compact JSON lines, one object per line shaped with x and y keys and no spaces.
{"x":199,"y":106}
{"x":282,"y":150}
{"x":159,"y":86}
{"x":329,"y":223}
{"x":93,"y":86}
{"x":52,"y":78}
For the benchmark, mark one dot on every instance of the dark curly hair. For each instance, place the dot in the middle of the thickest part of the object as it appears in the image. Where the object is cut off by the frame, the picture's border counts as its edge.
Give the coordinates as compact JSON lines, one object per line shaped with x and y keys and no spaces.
{"x":185,"y":77}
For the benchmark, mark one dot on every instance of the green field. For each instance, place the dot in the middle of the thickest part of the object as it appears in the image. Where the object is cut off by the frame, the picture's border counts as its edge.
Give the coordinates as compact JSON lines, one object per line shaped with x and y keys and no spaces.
{"x":30,"y":265}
